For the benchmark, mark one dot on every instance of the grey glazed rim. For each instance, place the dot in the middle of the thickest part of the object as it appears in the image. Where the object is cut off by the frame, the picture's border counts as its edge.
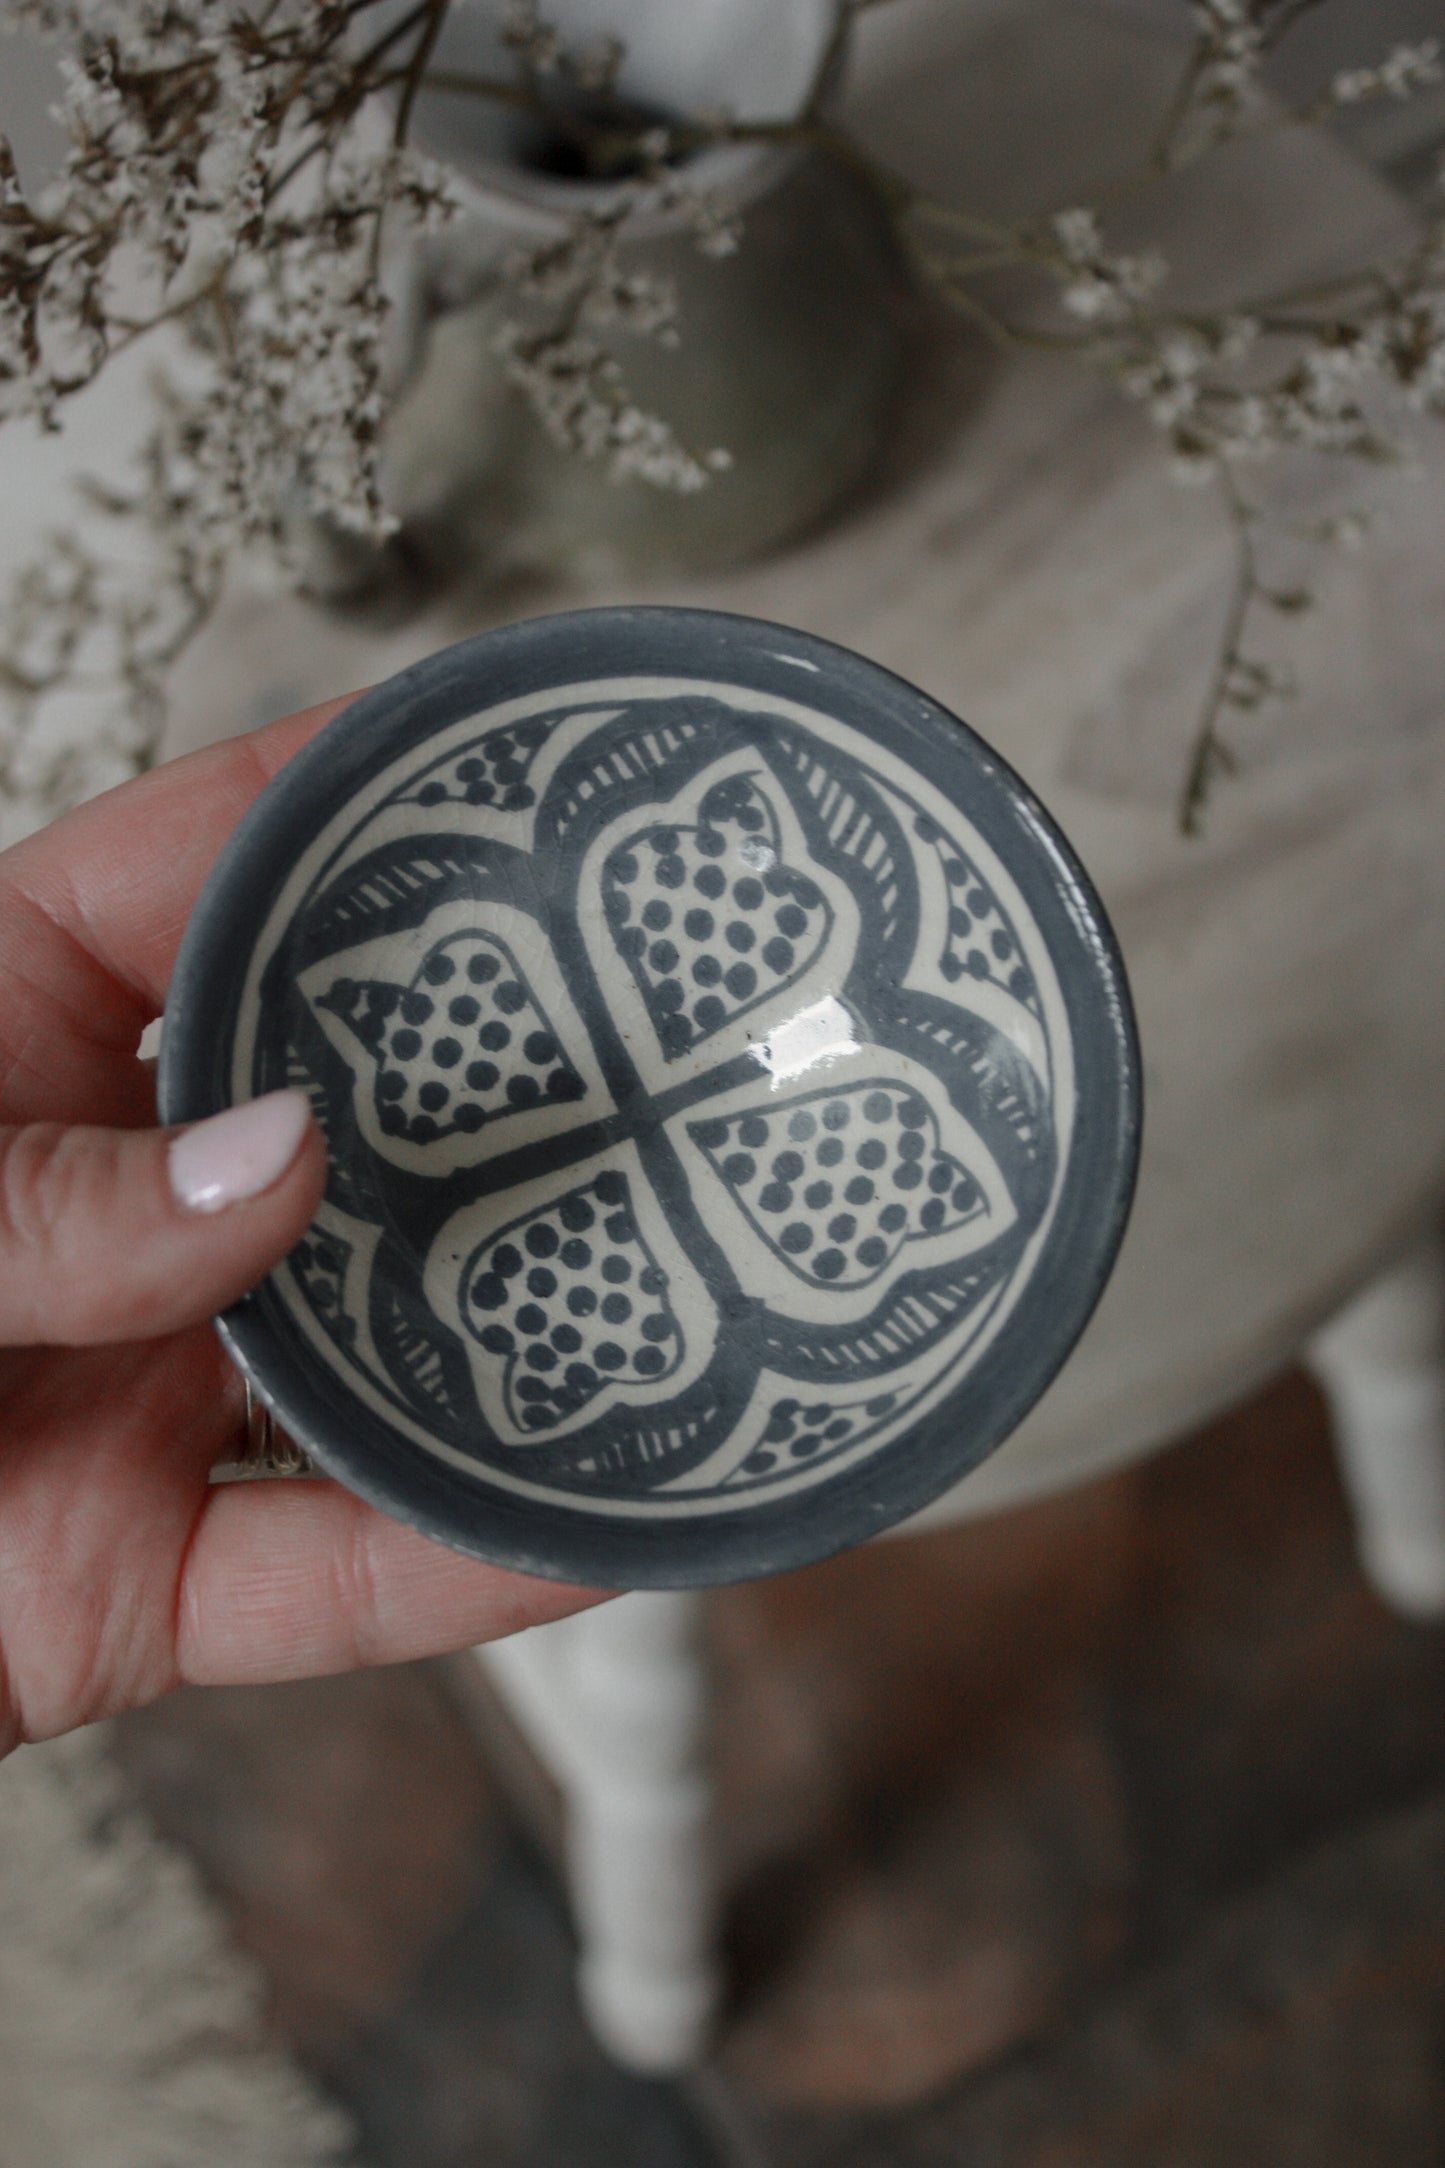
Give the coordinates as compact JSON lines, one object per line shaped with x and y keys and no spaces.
{"x":468,"y":1511}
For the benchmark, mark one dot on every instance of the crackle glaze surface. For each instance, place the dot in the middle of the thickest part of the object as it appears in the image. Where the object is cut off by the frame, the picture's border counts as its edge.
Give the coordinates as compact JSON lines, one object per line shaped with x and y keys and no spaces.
{"x":701,"y":1087}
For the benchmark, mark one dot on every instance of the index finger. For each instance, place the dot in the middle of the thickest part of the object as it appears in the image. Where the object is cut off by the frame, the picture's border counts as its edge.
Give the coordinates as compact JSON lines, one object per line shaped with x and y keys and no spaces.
{"x":295,"y":1580}
{"x":121,"y":874}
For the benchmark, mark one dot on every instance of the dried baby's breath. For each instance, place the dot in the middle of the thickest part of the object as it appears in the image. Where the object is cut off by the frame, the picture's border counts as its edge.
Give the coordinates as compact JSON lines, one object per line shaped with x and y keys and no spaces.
{"x":230,"y":173}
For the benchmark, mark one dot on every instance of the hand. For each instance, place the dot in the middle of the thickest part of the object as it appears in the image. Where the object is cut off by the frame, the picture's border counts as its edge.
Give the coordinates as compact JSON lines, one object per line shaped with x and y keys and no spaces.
{"x":122,"y":1571}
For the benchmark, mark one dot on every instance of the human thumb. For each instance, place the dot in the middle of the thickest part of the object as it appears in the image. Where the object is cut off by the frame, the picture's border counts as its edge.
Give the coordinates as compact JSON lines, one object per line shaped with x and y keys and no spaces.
{"x":123,"y":1234}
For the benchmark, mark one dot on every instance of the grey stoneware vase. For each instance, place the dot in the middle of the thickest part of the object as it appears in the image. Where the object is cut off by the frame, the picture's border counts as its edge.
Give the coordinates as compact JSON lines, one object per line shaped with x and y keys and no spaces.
{"x":788,"y":350}
{"x":729,"y":1085}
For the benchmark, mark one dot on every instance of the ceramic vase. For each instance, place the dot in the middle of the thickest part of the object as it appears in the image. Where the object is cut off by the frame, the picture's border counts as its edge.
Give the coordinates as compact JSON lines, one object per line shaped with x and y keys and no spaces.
{"x":787,"y":349}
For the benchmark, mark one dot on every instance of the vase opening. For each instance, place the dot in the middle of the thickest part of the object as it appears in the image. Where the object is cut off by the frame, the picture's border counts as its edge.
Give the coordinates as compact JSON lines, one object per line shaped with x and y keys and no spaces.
{"x":583,"y":138}
{"x":748,"y":59}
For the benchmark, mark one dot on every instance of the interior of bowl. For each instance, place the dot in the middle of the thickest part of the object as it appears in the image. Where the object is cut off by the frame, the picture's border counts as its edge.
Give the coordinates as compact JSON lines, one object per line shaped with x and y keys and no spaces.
{"x":728,"y":1081}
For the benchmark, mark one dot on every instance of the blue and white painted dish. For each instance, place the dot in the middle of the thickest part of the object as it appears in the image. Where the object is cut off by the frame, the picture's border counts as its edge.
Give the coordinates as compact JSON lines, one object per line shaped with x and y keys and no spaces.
{"x":729,"y":1083}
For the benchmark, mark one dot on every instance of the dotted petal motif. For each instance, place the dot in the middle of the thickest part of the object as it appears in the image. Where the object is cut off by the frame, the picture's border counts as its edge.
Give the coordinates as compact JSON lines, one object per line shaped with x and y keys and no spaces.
{"x":465,"y":1042}
{"x":836,"y":1183}
{"x":493,"y":772}
{"x":703,"y":941}
{"x":801,"y":1431}
{"x":569,"y":1300}
{"x":319,"y":1262}
{"x":978,"y":941}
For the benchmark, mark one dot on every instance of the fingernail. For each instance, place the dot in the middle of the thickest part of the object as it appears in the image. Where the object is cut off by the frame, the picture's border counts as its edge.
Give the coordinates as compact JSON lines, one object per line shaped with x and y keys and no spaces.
{"x":238,"y":1154}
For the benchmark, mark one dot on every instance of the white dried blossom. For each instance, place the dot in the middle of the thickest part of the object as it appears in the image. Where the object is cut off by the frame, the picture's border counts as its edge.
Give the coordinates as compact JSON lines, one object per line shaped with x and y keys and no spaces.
{"x":582,"y":266}
{"x":1097,"y":285}
{"x":540,"y":50}
{"x":1233,"y":37}
{"x":1346,"y":530}
{"x":1414,"y":342}
{"x":1078,"y":235}
{"x":1409,"y":68}
{"x":578,"y":392}
{"x":582,"y":283}
{"x":1248,"y":683}
{"x":537,"y":45}
{"x":719,"y":233}
{"x":596,"y":67}
{"x":715,"y":224}
{"x":1167,"y":379}
{"x":1232,"y":338}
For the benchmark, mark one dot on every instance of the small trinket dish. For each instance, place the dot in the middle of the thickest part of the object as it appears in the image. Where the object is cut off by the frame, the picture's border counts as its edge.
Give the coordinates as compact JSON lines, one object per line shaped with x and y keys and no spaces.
{"x":729,"y":1083}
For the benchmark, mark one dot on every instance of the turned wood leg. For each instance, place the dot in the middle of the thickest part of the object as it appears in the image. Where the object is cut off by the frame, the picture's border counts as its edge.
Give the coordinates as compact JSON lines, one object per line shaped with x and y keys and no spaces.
{"x":1381,"y":1365}
{"x":614,"y":1701}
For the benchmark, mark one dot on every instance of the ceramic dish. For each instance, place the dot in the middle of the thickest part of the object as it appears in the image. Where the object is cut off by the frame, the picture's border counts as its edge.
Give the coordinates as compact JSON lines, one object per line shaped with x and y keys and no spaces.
{"x":729,"y":1083}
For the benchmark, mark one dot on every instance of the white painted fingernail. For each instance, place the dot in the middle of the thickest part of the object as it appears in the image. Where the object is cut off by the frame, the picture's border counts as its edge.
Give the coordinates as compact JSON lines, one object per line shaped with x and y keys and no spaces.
{"x":238,"y":1154}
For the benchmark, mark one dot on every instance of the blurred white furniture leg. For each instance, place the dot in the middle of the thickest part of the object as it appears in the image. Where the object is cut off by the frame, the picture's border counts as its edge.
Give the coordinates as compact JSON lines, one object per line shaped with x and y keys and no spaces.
{"x":1381,"y":1365}
{"x":614,"y":1701}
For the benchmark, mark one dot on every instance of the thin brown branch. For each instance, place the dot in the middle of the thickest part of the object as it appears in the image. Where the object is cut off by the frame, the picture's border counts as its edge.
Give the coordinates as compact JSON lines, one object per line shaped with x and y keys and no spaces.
{"x":412,"y":20}
{"x":825,"y":81}
{"x":685,"y":138}
{"x":436,"y":14}
{"x":497,"y":89}
{"x":1160,"y":157}
{"x":1209,"y":755}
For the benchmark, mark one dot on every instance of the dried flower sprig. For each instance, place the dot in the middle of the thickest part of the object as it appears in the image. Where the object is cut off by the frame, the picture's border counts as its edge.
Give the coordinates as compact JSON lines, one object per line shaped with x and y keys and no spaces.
{"x":218,"y":190}
{"x":1222,"y":92}
{"x":565,"y":291}
{"x":232,"y":172}
{"x":228,"y":177}
{"x":93,"y":627}
{"x":1334,"y":373}
{"x":1331,"y":371}
{"x":1335,"y":370}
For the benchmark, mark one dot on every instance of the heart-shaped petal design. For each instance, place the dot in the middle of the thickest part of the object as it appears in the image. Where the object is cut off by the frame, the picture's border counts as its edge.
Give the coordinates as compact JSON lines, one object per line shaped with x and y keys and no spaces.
{"x":568,"y":1299}
{"x":836,"y":1183}
{"x":709,"y":918}
{"x":464,"y":1042}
